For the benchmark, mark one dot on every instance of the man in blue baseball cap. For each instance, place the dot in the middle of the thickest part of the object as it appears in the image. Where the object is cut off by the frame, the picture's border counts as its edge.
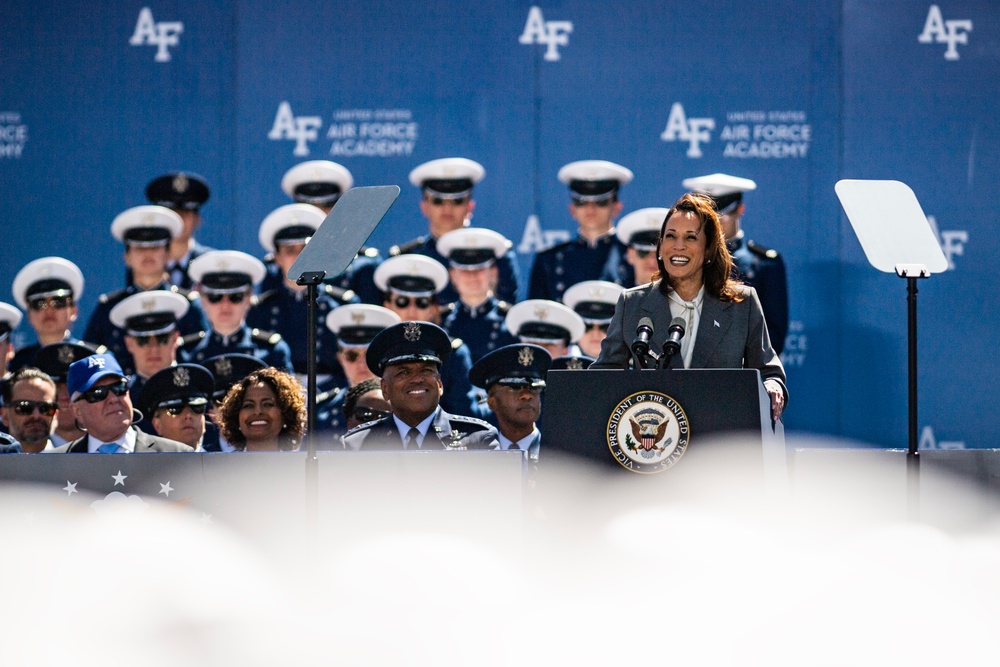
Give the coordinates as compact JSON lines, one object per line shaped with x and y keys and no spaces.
{"x":98,"y":390}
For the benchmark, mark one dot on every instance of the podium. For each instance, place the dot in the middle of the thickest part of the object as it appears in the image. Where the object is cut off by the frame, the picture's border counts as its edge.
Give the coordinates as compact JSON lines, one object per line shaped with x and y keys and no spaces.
{"x":645,"y":421}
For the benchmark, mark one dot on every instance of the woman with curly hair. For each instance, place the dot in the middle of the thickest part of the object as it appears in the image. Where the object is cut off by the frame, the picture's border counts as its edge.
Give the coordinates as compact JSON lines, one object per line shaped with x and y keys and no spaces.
{"x":724,"y":322}
{"x":264,"y":412}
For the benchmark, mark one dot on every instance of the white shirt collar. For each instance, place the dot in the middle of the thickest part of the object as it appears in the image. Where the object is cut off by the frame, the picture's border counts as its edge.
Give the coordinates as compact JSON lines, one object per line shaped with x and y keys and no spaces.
{"x":127,"y":441}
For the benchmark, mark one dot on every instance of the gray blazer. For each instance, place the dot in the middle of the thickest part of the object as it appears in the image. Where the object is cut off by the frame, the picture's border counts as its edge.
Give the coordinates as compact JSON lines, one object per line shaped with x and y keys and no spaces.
{"x":143,"y":443}
{"x":730,"y":335}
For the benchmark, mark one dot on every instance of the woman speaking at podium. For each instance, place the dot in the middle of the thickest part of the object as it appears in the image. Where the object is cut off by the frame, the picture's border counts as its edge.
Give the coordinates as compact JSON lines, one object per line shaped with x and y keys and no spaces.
{"x":723,"y":322}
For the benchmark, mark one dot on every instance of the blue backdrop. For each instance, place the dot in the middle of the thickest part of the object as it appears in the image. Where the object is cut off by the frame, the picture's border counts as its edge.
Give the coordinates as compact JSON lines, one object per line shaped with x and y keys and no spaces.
{"x":96,"y":100}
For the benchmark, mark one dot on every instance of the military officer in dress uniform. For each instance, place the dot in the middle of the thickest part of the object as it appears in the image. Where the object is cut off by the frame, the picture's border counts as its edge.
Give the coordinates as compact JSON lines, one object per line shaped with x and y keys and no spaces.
{"x":54,"y":360}
{"x":175,"y":400}
{"x":10,"y":317}
{"x":284,"y":308}
{"x":355,"y":326}
{"x":550,"y":324}
{"x":446,"y":201}
{"x":594,"y":301}
{"x":513,"y":377}
{"x":146,"y":232}
{"x":572,"y":362}
{"x":225,"y":279}
{"x":408,"y":357}
{"x":639,"y":231}
{"x":321,"y":183}
{"x":48,"y":289}
{"x":595,"y":253}
{"x":227,"y":370}
{"x":184,"y":193}
{"x":151,"y":337}
{"x":760,"y":267}
{"x":478,"y":315}
{"x":411,"y":284}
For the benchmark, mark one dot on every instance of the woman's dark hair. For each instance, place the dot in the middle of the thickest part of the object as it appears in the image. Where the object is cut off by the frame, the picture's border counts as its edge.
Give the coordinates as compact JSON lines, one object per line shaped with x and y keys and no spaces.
{"x":356,"y":392}
{"x":718,"y":269}
{"x":291,"y":402}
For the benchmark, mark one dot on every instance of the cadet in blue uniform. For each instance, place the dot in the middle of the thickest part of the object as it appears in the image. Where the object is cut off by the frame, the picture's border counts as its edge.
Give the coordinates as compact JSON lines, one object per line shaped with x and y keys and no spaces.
{"x":10,"y":317}
{"x":595,"y":253}
{"x":513,"y":377}
{"x":146,"y":232}
{"x":594,"y":301}
{"x":355,"y":326}
{"x":151,"y":338}
{"x":225,"y":279}
{"x":321,"y":183}
{"x":446,"y":201}
{"x":411,"y":284}
{"x":760,"y":267}
{"x":550,"y":324}
{"x":184,"y":193}
{"x":175,"y":401}
{"x":639,"y":231}
{"x":408,"y":357}
{"x":48,"y":290}
{"x":284,"y":308}
{"x":478,"y":315}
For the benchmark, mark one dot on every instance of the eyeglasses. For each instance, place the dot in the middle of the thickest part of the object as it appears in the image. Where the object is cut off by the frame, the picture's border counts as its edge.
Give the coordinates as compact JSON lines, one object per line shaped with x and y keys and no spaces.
{"x":601,"y":203}
{"x":235,"y":297}
{"x":197,"y":408}
{"x":25,"y":408}
{"x":57,"y":302}
{"x":420,"y":301}
{"x":439,"y":201}
{"x":599,"y":327}
{"x":642,"y":254}
{"x":98,"y":394}
{"x":365,"y":415}
{"x":143,"y":341}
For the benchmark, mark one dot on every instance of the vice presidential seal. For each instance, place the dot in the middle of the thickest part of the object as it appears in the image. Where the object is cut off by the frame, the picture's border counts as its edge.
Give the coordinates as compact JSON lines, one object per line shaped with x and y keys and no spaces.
{"x":648,"y":432}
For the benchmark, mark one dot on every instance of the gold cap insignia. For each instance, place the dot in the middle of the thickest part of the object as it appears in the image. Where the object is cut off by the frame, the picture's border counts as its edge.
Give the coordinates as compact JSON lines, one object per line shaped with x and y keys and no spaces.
{"x":526,"y":356}
{"x":411,"y":331}
{"x":223,"y":367}
{"x":182,"y":377}
{"x":541,"y":312}
{"x":357,"y":317}
{"x":180,"y":183}
{"x":574,"y":364}
{"x":65,"y":354}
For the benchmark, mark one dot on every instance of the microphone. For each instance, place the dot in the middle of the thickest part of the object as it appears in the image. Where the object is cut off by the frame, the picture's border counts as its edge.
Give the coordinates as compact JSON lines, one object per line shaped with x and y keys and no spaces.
{"x":672,"y":345}
{"x":640,"y":346}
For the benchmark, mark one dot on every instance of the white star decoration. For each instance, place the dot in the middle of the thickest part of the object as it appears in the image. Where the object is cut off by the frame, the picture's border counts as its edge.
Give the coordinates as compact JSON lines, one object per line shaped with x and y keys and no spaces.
{"x":165,"y":489}
{"x":70,"y":488}
{"x":119,"y":478}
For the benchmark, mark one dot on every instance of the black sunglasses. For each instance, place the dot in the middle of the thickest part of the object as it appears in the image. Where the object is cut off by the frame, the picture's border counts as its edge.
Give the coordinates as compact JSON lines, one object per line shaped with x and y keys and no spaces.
{"x":643,"y":254}
{"x":57,"y":302}
{"x":143,"y":341}
{"x":599,"y":327}
{"x":235,"y":297}
{"x":25,"y":408}
{"x":98,"y":394}
{"x":365,"y":415}
{"x":197,"y":408}
{"x":438,"y":201}
{"x":351,"y":355}
{"x":601,"y":203}
{"x":420,"y":301}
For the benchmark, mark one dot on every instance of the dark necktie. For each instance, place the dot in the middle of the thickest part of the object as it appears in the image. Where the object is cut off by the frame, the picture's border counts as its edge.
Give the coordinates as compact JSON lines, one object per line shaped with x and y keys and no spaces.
{"x":411,"y":439}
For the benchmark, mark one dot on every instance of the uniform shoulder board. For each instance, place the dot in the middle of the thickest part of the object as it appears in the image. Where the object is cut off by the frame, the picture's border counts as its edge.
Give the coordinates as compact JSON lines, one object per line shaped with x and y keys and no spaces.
{"x":368,"y":252}
{"x":456,"y":343}
{"x":193,"y":338}
{"x":112,"y":296}
{"x":367,"y":426}
{"x":339,"y":293}
{"x":269,"y":337}
{"x":761,"y":251}
{"x":503,"y":307}
{"x":469,"y":421}
{"x":407,"y":248}
{"x":265,"y":296}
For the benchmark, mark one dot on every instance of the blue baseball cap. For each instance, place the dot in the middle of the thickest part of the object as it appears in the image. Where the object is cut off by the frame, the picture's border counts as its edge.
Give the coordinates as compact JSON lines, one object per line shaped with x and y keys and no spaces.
{"x":83,"y":374}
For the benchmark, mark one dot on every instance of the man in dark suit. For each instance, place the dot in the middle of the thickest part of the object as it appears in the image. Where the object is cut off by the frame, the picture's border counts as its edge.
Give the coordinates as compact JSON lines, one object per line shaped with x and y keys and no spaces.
{"x":101,"y":405}
{"x":408,"y":357}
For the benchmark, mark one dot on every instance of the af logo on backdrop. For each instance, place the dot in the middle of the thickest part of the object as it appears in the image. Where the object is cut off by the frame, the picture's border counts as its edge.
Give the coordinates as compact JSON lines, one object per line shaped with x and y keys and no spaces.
{"x":755,"y":134}
{"x":695,"y":131}
{"x":952,"y":241}
{"x":13,"y":134}
{"x":300,"y":129}
{"x":551,"y":33}
{"x":951,"y":32}
{"x":162,"y":35}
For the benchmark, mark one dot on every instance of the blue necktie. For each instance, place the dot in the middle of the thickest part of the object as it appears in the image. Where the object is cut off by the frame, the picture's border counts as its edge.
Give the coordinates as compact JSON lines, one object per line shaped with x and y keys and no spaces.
{"x":110,"y":448}
{"x":411,"y":439}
